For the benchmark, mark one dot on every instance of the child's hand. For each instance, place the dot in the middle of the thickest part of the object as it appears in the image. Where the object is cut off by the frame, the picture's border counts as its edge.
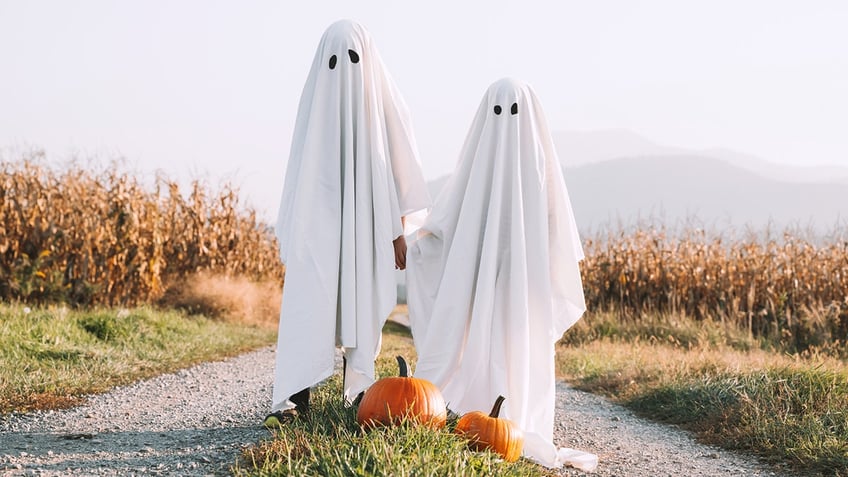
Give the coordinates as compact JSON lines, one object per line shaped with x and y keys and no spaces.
{"x":400,"y":252}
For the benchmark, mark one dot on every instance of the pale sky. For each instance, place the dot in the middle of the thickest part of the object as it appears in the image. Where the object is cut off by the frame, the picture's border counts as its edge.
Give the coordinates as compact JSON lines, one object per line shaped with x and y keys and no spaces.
{"x":210,"y":88}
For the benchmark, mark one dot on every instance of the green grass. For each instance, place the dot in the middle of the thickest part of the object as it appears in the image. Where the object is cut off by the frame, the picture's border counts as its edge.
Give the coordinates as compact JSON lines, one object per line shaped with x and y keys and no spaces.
{"x":729,"y":389}
{"x":331,"y":443}
{"x":793,"y":414}
{"x":50,"y":357}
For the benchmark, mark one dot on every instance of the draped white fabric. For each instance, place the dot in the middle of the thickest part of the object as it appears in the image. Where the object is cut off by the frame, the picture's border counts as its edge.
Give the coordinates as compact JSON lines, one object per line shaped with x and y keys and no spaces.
{"x":493,"y":280}
{"x":353,"y":171}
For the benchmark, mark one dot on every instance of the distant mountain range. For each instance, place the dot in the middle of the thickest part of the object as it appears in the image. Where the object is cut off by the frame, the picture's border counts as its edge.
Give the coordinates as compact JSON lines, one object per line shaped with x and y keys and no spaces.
{"x":670,"y":189}
{"x":619,"y":176}
{"x":577,"y":148}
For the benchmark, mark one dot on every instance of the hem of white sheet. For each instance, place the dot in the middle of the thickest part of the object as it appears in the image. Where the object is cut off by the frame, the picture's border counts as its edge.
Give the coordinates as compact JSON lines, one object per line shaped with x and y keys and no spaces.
{"x":545,"y":453}
{"x":287,"y":404}
{"x":584,"y":461}
{"x":355,"y":383}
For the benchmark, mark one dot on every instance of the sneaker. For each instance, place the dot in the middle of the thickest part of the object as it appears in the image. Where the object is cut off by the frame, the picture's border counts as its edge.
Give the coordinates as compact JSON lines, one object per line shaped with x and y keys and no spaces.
{"x":279,"y":418}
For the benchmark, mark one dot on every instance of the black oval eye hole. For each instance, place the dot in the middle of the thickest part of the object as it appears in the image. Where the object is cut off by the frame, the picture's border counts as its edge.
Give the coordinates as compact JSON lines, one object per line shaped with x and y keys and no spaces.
{"x":498,"y":109}
{"x":354,"y":56}
{"x":333,"y":60}
{"x":514,"y":109}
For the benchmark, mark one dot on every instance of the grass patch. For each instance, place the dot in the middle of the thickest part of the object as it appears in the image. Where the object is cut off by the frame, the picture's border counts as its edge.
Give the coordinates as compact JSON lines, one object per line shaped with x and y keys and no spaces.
{"x":673,"y":329}
{"x":331,"y":443}
{"x":786,"y":409}
{"x":51,"y":357}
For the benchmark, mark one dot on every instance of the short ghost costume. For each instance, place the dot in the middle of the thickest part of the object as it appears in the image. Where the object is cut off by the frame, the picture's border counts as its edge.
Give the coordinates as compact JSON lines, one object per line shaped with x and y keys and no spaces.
{"x":353,"y":172}
{"x":494,"y":279}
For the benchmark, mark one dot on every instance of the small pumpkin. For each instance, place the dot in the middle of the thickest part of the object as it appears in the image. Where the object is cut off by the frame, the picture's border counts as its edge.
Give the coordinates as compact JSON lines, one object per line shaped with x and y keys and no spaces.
{"x":391,"y":400}
{"x":491,"y":432}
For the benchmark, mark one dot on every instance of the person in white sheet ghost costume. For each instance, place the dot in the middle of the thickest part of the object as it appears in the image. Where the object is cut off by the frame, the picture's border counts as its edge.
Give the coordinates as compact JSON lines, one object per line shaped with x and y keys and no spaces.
{"x":353,"y":174}
{"x":494,"y":279}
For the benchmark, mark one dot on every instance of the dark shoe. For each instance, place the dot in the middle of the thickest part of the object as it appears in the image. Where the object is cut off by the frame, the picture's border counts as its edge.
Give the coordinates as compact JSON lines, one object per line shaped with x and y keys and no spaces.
{"x":358,"y":399}
{"x":301,"y":402}
{"x":280,"y":418}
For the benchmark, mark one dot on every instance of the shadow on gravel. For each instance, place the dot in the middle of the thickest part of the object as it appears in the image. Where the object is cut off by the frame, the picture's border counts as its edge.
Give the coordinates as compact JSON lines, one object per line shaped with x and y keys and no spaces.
{"x":186,"y":452}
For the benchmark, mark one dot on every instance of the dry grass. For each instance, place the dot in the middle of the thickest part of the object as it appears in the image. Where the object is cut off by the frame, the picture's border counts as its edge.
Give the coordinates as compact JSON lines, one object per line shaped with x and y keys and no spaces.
{"x":622,"y":370}
{"x":235,"y":299}
{"x":787,"y":409}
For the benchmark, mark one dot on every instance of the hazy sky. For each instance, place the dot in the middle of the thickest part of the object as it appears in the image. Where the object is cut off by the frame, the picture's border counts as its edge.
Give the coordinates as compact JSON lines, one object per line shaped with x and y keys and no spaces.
{"x":210,"y":88}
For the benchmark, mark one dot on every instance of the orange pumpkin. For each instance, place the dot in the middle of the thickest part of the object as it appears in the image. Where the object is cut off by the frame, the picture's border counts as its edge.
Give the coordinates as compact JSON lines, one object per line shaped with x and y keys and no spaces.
{"x":491,"y":432}
{"x":391,"y":400}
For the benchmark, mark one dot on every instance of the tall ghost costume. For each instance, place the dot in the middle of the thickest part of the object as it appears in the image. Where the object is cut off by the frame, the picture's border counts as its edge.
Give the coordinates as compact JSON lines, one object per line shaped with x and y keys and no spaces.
{"x":353,"y":172}
{"x":494,"y":279}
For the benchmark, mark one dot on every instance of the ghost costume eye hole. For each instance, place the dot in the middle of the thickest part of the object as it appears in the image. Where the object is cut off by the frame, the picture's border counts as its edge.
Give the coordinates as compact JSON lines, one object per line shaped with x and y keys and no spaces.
{"x":354,"y":56}
{"x":498,"y":109}
{"x":333,"y":60}
{"x":514,"y":109}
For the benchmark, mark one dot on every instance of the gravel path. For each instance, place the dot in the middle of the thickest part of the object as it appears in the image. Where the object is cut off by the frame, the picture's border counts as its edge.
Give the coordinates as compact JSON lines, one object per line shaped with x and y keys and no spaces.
{"x":627,"y":445}
{"x":194,"y":422}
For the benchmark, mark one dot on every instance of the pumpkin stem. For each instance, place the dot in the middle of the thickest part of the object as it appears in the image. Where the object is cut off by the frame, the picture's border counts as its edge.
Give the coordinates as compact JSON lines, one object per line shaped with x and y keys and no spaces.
{"x":404,"y":371}
{"x":496,"y":409}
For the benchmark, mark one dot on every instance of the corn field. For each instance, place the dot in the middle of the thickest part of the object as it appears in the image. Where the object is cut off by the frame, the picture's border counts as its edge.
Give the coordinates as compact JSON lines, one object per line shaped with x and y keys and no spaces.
{"x":789,"y":287}
{"x":101,"y":238}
